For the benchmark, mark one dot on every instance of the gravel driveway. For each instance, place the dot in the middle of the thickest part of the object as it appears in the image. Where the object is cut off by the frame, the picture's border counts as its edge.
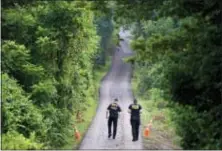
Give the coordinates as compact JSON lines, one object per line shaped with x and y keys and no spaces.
{"x":115,"y":84}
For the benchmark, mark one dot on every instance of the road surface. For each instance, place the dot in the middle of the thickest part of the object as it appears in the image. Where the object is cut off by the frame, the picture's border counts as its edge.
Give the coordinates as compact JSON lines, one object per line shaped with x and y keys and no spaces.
{"x":116,"y":84}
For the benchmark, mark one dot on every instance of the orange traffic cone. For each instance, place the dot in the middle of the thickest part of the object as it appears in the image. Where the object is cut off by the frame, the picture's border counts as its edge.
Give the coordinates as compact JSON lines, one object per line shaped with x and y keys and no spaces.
{"x":148,"y":129}
{"x":147,"y":132}
{"x":77,"y":134}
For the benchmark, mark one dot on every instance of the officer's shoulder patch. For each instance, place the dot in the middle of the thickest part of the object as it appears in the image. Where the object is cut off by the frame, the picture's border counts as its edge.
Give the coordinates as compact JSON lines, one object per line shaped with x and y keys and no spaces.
{"x":135,"y":106}
{"x":114,"y":104}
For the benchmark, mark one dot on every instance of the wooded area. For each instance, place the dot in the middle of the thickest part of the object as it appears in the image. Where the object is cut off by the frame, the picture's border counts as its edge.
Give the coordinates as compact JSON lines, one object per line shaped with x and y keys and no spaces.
{"x":50,"y":50}
{"x":179,"y":59}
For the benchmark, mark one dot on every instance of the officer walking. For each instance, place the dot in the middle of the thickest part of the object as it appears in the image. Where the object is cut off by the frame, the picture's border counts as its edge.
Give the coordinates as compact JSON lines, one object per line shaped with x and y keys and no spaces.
{"x":113,"y":110}
{"x":135,"y":111}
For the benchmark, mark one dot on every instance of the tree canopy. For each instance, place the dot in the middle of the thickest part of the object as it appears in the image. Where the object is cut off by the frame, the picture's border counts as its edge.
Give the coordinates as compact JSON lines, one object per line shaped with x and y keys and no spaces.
{"x":178,"y":46}
{"x":51,"y":48}
{"x":49,"y":53}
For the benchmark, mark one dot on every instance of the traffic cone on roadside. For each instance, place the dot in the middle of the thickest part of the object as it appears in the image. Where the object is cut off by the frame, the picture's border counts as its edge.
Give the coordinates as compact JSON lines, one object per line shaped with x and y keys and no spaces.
{"x":77,"y":134}
{"x":148,"y":129}
{"x":146,"y":132}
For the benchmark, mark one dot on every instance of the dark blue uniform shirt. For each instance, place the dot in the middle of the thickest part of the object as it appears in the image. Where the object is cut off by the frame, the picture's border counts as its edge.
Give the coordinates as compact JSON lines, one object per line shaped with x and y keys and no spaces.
{"x":113,"y":110}
{"x":135,"y":111}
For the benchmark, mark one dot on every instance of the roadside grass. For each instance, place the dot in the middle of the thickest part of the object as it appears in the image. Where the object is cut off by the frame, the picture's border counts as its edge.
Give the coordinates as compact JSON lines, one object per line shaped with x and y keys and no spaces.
{"x":91,"y":106}
{"x":162,"y":134}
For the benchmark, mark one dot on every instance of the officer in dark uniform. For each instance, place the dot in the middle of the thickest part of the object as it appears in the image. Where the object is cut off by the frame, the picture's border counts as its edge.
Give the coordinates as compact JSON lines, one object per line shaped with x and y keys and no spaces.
{"x":135,"y":110}
{"x":113,"y":110}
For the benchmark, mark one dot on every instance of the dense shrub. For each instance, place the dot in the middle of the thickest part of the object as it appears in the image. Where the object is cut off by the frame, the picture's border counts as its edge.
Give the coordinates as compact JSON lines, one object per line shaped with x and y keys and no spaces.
{"x":48,"y":53}
{"x":178,"y":46}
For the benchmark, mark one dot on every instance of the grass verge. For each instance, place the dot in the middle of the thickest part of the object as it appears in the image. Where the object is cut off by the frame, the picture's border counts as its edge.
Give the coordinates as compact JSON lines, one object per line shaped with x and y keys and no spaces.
{"x":92,"y":104}
{"x":162,"y":134}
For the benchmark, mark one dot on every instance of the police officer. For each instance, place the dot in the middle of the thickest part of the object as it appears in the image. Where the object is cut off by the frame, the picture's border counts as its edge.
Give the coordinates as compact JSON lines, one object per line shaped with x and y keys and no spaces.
{"x":113,"y":110}
{"x":135,"y":111}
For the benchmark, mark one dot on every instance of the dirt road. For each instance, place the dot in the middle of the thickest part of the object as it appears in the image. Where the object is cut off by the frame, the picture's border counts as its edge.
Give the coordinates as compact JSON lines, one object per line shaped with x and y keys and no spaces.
{"x":116,"y":84}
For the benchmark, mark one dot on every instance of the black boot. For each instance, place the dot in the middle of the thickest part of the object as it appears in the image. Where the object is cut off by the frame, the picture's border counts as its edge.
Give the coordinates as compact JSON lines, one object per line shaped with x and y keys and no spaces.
{"x":114,"y":137}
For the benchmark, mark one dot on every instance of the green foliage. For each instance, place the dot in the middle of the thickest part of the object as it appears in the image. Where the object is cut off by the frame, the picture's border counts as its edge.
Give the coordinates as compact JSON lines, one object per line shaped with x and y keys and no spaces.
{"x":105,"y":30}
{"x":16,"y":62}
{"x":18,"y":110}
{"x":14,"y":56}
{"x":20,"y":118}
{"x":16,"y":141}
{"x":48,"y":66}
{"x":189,"y":122}
{"x":178,"y":53}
